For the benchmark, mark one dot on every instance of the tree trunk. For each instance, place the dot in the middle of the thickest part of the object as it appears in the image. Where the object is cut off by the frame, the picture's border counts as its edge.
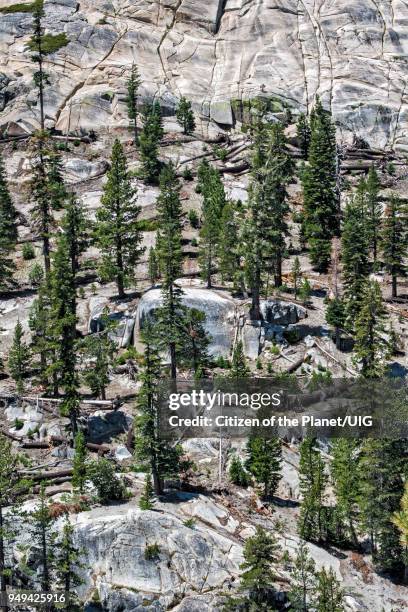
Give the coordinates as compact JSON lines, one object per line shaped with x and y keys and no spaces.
{"x":338,"y":338}
{"x":394,"y":286}
{"x":173,"y":363}
{"x":278,"y":272}
{"x":255,"y":313}
{"x":103,"y":393}
{"x":3,"y":588}
{"x":45,"y":582}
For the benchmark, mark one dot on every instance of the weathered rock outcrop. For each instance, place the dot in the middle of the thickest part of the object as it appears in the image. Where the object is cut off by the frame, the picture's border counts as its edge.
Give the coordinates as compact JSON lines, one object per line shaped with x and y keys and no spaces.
{"x":218,"y":54}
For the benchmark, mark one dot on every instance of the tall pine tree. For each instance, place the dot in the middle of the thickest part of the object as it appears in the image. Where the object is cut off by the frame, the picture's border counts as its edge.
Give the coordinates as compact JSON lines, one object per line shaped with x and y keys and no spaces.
{"x":394,"y":242}
{"x":19,"y":358}
{"x":264,"y":462}
{"x":132,"y":85}
{"x":212,"y":188}
{"x":313,"y":480}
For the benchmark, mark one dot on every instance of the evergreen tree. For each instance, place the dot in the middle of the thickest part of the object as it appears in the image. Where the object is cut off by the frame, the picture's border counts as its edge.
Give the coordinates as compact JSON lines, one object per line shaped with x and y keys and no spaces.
{"x":153,"y":266}
{"x":303,"y":580}
{"x":132,"y":85}
{"x":79,"y":463}
{"x":146,"y":499}
{"x":400,"y":520}
{"x":354,"y":257}
{"x":36,"y":45}
{"x":118,"y":233}
{"x":329,"y":594}
{"x":272,"y":170}
{"x":336,"y":317}
{"x":43,"y":537}
{"x":237,"y":473}
{"x":305,"y":291}
{"x":171,"y":316}
{"x":195,"y":354}
{"x":162,"y":458}
{"x":108,"y":484}
{"x":303,"y":134}
{"x":185,"y":116}
{"x":6,"y":266}
{"x":313,"y":481}
{"x":381,"y":490}
{"x":149,"y":140}
{"x":19,"y":358}
{"x":68,"y":564}
{"x":97,"y":354}
{"x":239,"y":368}
{"x":229,"y":245}
{"x":264,"y":462}
{"x":394,"y":242}
{"x":75,"y":226}
{"x":371,"y":346}
{"x":39,"y":325}
{"x":321,"y":210}
{"x":345,"y":476}
{"x":296,"y":275}
{"x":8,"y":212}
{"x":57,"y":190}
{"x":212,"y":188}
{"x":261,"y":558}
{"x":12,"y":488}
{"x":374,"y":210}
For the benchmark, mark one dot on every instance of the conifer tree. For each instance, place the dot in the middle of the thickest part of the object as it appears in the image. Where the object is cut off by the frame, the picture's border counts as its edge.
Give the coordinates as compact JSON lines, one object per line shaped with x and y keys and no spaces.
{"x":296,"y":275}
{"x":229,"y":245}
{"x":117,"y":232}
{"x":75,"y":227}
{"x":132,"y":85}
{"x":146,"y":499}
{"x":237,"y":473}
{"x":336,"y":317}
{"x":400,"y":520}
{"x":162,"y":458}
{"x":345,"y":476}
{"x":212,"y":188}
{"x":171,"y":316}
{"x":6,"y":265}
{"x":68,"y":564}
{"x":261,"y":558}
{"x":194,"y":353}
{"x":39,"y":325}
{"x":313,"y":480}
{"x":303,"y":579}
{"x":43,"y":536}
{"x":321,"y":210}
{"x":36,"y":45}
{"x":185,"y":116}
{"x":374,"y":210}
{"x":305,"y":291}
{"x":108,"y":484}
{"x":19,"y":358}
{"x":371,"y":347}
{"x":264,"y":462}
{"x":79,"y":463}
{"x":239,"y":368}
{"x":8,"y":212}
{"x":97,"y":354}
{"x":329,"y":594}
{"x":149,"y":140}
{"x":153,"y":266}
{"x":303,"y":134}
{"x":354,"y":257}
{"x":394,"y":242}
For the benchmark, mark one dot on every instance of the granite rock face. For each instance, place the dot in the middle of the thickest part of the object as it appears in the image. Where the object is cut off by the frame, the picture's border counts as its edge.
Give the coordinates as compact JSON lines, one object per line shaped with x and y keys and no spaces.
{"x":218,"y":54}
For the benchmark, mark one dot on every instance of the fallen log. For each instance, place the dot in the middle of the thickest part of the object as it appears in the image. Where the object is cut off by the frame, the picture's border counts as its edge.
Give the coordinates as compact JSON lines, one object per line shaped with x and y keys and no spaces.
{"x":46,"y":475}
{"x":10,"y":435}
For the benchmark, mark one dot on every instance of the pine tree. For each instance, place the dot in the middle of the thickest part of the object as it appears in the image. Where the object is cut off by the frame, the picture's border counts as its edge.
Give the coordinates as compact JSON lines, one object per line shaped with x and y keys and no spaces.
{"x":185,"y":116}
{"x":374,"y":210}
{"x":12,"y":487}
{"x":6,"y":266}
{"x":132,"y":85}
{"x":118,"y":233}
{"x":394,"y":242}
{"x":212,"y":188}
{"x":194,"y":353}
{"x":171,"y":316}
{"x":229,"y":245}
{"x":43,"y":536}
{"x":329,"y":594}
{"x":303,"y":134}
{"x":354,"y":257}
{"x":237,"y":473}
{"x":261,"y":558}
{"x":305,"y":291}
{"x":108,"y":484}
{"x":313,"y":481}
{"x":321,"y":210}
{"x":75,"y":227}
{"x":264,"y":462}
{"x":303,"y":579}
{"x":36,"y":45}
{"x":149,"y":140}
{"x":146,"y":499}
{"x":345,"y":476}
{"x":336,"y":317}
{"x":19,"y":358}
{"x":57,"y":190}
{"x":371,"y":346}
{"x":8,"y":212}
{"x":97,"y":355}
{"x":296,"y":275}
{"x":79,"y":463}
{"x":39,"y":325}
{"x":266,"y":230}
{"x":153,"y":266}
{"x":400,"y":520}
{"x":381,"y":490}
{"x":68,"y":564}
{"x":239,"y":368}
{"x":160,"y":455}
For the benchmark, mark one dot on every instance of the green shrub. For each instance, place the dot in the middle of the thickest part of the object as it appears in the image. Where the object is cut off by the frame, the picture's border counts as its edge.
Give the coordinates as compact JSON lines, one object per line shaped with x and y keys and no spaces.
{"x":107,"y":483}
{"x":190,"y":522}
{"x":275,"y":350}
{"x":193,"y":218}
{"x":18,"y":8}
{"x":291,"y":335}
{"x":149,"y":225}
{"x":259,"y":365}
{"x":194,"y":242}
{"x":237,"y":473}
{"x":18,"y":424}
{"x":36,"y":275}
{"x":220,"y":152}
{"x":187,"y":174}
{"x":51,"y":43}
{"x":151,"y":552}
{"x":28,"y":251}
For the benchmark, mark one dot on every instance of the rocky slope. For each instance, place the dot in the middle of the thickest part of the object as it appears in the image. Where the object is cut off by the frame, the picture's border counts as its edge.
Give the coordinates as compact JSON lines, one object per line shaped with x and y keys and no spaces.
{"x":217,"y":53}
